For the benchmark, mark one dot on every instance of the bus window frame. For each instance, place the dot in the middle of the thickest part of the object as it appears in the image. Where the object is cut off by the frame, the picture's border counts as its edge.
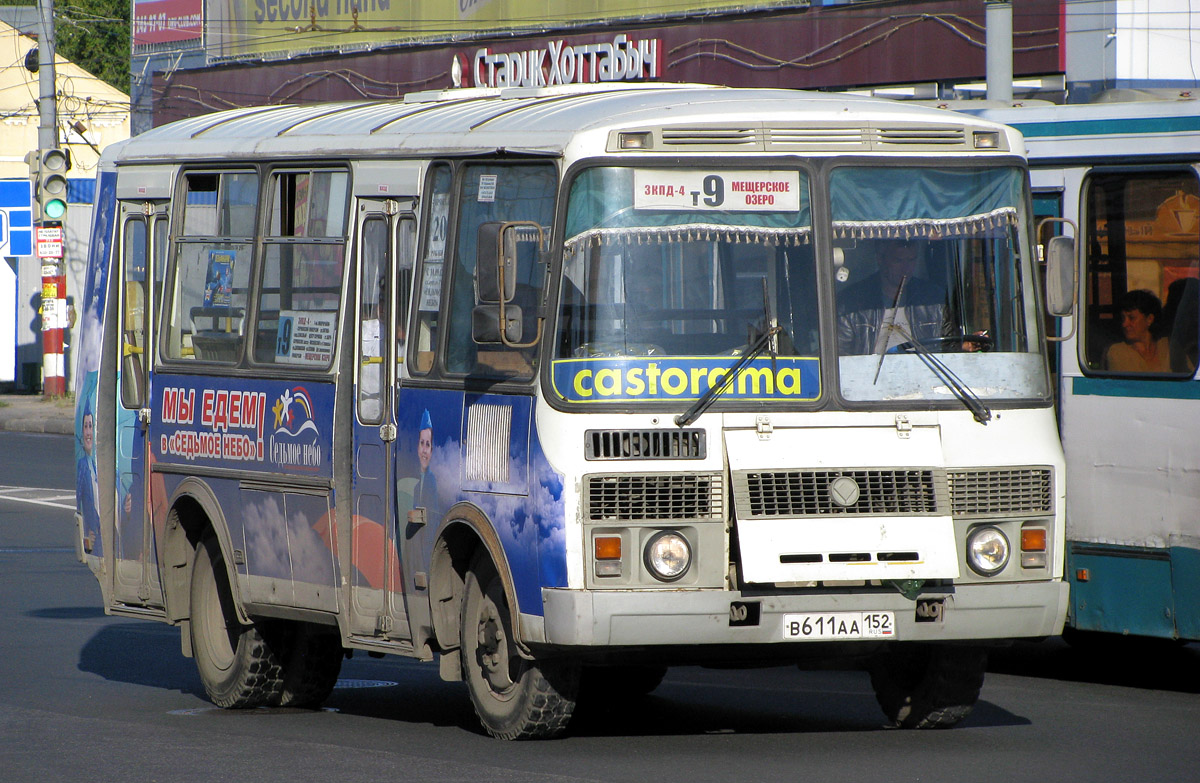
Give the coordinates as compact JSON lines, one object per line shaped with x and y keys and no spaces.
{"x":424,"y":228}
{"x":133,"y":393}
{"x":269,"y":177}
{"x":534,"y":354}
{"x":1086,"y":307}
{"x":176,"y":239}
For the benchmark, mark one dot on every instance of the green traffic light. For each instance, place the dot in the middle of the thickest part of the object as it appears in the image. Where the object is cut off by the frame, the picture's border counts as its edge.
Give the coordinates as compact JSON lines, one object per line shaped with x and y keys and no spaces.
{"x":54,"y":209}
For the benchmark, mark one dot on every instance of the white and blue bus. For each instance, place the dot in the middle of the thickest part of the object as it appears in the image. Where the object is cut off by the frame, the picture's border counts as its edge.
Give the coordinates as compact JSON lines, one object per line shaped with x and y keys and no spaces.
{"x":1126,"y":175}
{"x":565,"y":386}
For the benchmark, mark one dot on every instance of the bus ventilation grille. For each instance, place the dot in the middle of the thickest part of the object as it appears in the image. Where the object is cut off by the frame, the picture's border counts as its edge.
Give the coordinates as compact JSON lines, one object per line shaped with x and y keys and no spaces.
{"x":906,"y":136}
{"x":642,"y":497}
{"x":985,"y":492}
{"x":822,"y":493}
{"x":644,"y":444}
{"x":710,"y":136}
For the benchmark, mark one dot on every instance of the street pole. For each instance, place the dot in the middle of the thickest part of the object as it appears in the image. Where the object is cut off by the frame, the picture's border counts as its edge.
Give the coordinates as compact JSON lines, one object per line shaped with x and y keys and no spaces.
{"x":999,"y":46}
{"x":54,"y":281}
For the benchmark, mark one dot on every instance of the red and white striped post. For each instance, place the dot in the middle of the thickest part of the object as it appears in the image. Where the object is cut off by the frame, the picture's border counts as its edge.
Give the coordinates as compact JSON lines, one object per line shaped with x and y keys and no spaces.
{"x":54,"y":310}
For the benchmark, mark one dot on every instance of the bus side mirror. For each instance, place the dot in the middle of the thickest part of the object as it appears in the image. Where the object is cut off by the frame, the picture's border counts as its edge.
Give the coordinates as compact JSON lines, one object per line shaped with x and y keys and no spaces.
{"x":485,"y":324}
{"x":498,"y":249}
{"x":496,"y":263}
{"x":1060,"y":276}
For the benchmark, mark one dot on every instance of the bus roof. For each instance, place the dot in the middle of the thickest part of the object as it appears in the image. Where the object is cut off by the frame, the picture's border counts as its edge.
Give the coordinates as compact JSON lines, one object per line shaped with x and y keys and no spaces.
{"x":546,"y":120}
{"x":1101,"y":131}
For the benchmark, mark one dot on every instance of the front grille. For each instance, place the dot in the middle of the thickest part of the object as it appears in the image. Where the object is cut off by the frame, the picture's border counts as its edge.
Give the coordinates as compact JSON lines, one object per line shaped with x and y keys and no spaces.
{"x":983,"y":492}
{"x":667,"y":496}
{"x":644,"y":444}
{"x":809,"y":493}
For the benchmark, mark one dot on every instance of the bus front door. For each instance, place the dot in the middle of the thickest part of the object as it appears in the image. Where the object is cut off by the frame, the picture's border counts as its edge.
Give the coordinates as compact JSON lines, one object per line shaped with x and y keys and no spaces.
{"x":135,"y":575}
{"x":377,"y":607}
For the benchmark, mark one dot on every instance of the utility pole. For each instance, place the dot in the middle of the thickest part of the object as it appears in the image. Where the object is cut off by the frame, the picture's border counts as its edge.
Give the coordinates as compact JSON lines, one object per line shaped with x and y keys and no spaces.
{"x":48,"y":168}
{"x":999,"y":50}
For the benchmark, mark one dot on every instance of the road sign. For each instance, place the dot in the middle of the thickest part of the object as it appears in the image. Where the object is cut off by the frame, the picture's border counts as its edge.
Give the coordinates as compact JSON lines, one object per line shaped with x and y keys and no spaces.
{"x":16,"y":218}
{"x":49,"y":242}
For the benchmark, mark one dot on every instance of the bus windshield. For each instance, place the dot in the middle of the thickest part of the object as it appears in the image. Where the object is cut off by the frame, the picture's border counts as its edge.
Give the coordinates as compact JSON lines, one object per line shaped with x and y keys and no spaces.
{"x":933,"y":290}
{"x":665,"y":267}
{"x":683,"y":265}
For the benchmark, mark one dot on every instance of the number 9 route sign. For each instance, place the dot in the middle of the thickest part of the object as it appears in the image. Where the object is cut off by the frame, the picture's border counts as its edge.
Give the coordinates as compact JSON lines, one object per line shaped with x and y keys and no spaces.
{"x":722,"y":190}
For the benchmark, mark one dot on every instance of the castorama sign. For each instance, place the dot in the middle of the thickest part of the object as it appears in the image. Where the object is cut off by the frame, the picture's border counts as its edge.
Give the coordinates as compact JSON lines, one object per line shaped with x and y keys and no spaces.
{"x":561,"y":62}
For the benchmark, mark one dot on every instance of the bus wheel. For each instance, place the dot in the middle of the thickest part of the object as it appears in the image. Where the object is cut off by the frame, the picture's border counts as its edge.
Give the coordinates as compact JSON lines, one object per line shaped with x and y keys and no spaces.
{"x":237,"y":666}
{"x":514,"y":697}
{"x":313,"y":660}
{"x":927,"y":686}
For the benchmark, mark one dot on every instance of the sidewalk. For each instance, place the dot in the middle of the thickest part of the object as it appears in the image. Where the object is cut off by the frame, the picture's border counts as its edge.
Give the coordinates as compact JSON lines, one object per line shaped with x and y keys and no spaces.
{"x":35,"y":413}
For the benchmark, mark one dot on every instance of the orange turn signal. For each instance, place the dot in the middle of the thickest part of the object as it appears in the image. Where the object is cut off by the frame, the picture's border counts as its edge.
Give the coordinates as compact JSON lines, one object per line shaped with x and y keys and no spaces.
{"x":1033,"y":539}
{"x":608,"y":547}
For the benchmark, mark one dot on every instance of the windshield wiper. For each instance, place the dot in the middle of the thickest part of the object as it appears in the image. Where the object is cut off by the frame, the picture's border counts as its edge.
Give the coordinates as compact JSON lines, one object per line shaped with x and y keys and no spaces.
{"x":968,"y":398}
{"x":763,"y":342}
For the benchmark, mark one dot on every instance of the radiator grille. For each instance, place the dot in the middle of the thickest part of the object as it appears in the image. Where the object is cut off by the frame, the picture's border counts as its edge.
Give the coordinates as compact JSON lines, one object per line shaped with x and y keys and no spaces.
{"x":809,"y":493}
{"x":674,"y":496}
{"x":644,"y":444}
{"x":985,"y":492}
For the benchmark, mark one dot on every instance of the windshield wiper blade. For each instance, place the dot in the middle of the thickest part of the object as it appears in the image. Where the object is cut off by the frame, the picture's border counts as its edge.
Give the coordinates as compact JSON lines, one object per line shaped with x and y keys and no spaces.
{"x":710,"y":396}
{"x":978,"y":409}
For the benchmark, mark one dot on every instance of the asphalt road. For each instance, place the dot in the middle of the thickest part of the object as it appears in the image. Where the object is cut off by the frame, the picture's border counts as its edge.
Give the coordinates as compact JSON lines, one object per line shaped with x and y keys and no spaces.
{"x":86,"y":697}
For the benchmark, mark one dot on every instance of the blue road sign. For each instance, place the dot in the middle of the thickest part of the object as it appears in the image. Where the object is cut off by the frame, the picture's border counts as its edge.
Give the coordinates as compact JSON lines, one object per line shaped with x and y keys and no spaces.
{"x":16,"y":218}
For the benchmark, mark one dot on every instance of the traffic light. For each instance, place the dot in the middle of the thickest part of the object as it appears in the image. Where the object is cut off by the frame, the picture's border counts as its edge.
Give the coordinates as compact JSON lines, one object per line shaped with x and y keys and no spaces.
{"x":50,"y":187}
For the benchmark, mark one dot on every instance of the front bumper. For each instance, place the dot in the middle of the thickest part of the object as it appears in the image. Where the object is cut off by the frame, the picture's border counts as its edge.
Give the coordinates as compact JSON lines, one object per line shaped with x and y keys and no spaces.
{"x":699,"y":617}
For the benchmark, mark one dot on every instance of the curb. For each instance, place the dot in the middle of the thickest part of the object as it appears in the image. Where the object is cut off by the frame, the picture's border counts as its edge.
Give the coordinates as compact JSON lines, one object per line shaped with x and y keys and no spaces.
{"x":43,"y":426}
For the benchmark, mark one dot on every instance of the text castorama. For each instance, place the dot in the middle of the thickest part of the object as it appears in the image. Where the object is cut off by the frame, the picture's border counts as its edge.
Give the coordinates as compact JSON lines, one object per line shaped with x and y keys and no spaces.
{"x":562,"y":63}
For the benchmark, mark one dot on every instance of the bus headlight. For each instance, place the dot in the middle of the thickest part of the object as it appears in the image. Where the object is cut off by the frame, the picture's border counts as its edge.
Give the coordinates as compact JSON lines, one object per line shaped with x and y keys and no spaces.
{"x":668,"y":555}
{"x":987,"y":550}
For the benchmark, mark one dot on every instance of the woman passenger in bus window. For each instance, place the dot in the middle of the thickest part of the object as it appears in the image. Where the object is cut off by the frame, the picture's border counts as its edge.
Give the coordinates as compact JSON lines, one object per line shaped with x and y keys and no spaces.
{"x":1141,"y":351}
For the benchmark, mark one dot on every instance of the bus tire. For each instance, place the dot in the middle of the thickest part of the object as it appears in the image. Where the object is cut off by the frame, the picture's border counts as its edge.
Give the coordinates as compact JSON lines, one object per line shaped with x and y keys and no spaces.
{"x":313,"y":661}
{"x":514,"y":697}
{"x":238,"y":667}
{"x":928,"y":686}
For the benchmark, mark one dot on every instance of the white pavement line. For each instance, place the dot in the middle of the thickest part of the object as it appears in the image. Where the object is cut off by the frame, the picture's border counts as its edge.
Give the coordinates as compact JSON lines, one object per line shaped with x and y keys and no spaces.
{"x":51,"y":501}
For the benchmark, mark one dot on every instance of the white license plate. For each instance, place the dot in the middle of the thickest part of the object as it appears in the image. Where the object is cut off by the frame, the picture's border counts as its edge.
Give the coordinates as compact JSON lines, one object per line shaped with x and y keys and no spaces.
{"x":839,"y":625}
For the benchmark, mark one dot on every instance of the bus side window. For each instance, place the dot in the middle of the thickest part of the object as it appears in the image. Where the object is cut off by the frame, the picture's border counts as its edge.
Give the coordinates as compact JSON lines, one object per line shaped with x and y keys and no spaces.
{"x":372,"y":318}
{"x":1141,"y":259}
{"x":303,"y":262}
{"x":211,"y":268}
{"x":428,"y":291}
{"x":406,"y":257}
{"x":498,"y":193}
{"x":133,"y":314}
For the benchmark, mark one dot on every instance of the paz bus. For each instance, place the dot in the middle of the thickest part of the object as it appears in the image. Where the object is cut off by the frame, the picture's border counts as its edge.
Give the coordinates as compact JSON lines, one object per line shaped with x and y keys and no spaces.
{"x":560,"y":387}
{"x":1124,"y":175}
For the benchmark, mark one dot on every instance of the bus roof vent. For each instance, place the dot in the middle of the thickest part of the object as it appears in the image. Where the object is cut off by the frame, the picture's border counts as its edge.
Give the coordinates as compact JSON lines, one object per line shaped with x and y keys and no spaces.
{"x":830,"y":138}
{"x":710,"y":137}
{"x":644,"y":444}
{"x":919,"y":136}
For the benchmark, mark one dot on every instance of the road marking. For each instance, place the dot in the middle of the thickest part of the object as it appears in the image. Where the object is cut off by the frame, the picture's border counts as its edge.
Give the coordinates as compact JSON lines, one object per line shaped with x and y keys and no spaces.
{"x":55,"y":498}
